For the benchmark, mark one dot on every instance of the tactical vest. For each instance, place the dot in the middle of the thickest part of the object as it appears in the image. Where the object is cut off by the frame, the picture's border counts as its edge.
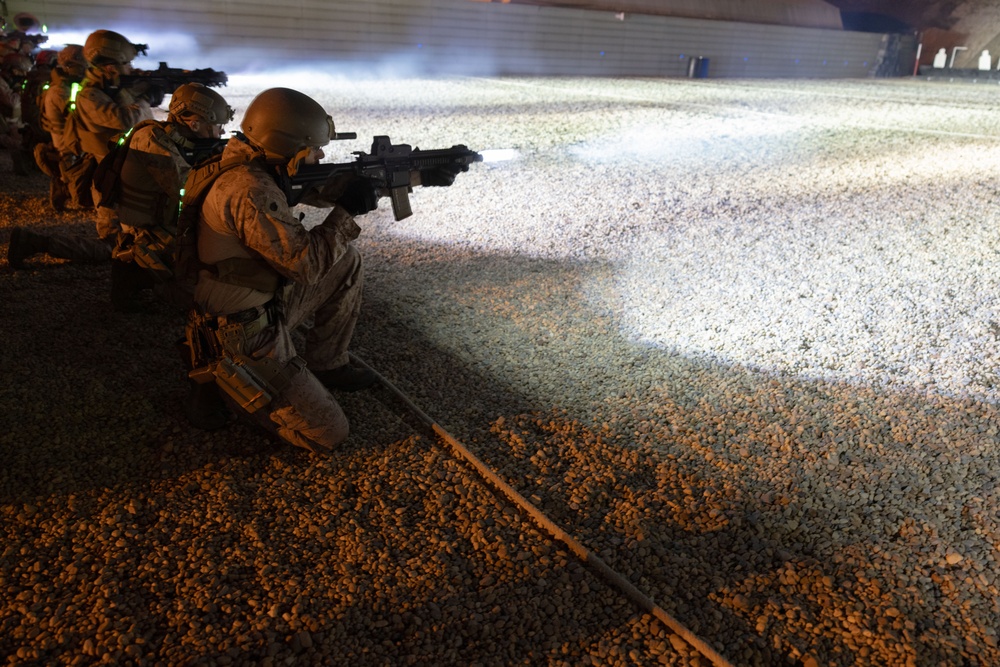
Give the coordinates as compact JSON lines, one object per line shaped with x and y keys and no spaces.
{"x":132,"y":190}
{"x":73,"y":125}
{"x":241,"y":271}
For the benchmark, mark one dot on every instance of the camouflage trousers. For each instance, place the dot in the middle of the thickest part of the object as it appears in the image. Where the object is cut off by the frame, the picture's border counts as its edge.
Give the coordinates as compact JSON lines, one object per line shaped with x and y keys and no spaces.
{"x":78,"y":248}
{"x":305,"y":414}
{"x":77,"y":172}
{"x":47,"y":158}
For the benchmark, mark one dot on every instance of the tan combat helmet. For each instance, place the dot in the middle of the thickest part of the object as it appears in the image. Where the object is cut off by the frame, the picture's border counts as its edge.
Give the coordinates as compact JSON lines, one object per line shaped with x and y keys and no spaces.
{"x":106,"y":46}
{"x":283,"y":122}
{"x":15,"y":64}
{"x":46,"y":58}
{"x":201,"y":101}
{"x":71,"y":60}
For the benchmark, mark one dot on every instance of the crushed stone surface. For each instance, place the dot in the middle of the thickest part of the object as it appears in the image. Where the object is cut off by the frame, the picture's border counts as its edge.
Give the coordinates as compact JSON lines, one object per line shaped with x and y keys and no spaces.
{"x":739,"y":338}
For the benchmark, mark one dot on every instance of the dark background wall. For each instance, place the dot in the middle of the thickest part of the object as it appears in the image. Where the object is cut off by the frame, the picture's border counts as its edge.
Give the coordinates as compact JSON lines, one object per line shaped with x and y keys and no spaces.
{"x":969,"y":25}
{"x":417,"y":37}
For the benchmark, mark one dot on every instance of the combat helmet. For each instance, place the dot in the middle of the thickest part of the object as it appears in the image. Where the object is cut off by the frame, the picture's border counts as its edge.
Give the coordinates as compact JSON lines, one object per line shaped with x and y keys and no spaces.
{"x":46,"y":58}
{"x":71,"y":60}
{"x":106,"y":46}
{"x":283,"y":122}
{"x":202,"y":101}
{"x":16,"y":64}
{"x":12,"y":41}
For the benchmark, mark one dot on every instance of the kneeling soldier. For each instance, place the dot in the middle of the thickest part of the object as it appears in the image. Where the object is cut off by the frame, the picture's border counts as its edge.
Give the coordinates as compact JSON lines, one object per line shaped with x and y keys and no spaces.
{"x":263,"y":274}
{"x":143,"y":185}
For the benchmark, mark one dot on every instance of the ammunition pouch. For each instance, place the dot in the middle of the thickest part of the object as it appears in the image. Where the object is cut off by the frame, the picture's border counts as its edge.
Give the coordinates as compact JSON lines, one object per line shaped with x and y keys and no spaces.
{"x":252,"y":383}
{"x":123,"y":247}
{"x":217,"y":344}
{"x":150,"y":248}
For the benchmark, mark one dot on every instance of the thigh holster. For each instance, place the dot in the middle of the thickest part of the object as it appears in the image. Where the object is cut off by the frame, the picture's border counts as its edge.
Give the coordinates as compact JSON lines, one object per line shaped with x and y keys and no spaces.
{"x":218,"y":355}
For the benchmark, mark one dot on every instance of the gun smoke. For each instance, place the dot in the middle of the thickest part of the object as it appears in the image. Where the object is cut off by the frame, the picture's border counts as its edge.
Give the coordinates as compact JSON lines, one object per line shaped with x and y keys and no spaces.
{"x":180,"y":49}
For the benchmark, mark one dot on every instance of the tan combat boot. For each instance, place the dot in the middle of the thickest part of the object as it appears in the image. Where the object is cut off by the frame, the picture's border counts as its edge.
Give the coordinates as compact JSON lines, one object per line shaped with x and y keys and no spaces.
{"x":23,"y":244}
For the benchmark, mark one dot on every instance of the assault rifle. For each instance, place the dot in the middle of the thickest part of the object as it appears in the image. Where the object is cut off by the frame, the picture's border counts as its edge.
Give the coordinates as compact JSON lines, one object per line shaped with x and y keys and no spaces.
{"x":168,"y":79}
{"x":34,"y":39}
{"x":388,"y":167}
{"x":24,"y":37}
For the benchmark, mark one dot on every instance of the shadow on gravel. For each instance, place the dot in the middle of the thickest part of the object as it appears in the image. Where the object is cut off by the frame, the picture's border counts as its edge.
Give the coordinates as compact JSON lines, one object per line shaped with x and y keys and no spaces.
{"x":872,"y":542}
{"x":657,"y":462}
{"x":91,"y":397}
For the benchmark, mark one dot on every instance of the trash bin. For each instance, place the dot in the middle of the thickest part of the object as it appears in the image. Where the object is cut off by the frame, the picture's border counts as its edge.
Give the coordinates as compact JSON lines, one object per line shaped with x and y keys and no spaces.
{"x":698,"y":68}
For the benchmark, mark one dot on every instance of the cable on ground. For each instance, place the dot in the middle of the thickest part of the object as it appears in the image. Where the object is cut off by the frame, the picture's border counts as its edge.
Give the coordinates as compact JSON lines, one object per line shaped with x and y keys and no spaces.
{"x":544,"y":522}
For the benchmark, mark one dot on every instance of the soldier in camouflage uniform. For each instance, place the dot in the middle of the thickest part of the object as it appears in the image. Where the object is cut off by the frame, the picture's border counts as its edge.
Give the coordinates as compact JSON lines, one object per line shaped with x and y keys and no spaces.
{"x":35,"y":82}
{"x":53,"y":108}
{"x":13,"y":68}
{"x":100,"y":112}
{"x":267,"y":274}
{"x":103,"y":110}
{"x":158,"y":157}
{"x":54,"y":159}
{"x":263,"y":274}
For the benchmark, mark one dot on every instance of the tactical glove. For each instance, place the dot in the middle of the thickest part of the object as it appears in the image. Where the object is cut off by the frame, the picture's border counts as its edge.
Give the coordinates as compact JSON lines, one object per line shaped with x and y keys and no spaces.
{"x":359,"y":197}
{"x":441,"y":176}
{"x":138,"y":88}
{"x":147,"y":91}
{"x":155,"y":96}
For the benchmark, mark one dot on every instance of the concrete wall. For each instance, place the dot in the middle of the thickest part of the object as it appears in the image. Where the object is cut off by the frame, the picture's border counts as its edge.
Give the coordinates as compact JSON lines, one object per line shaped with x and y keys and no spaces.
{"x":802,"y":13}
{"x":439,"y":37}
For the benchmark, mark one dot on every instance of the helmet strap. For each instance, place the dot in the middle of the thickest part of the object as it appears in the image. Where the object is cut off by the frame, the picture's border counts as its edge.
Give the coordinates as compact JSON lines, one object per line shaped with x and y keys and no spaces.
{"x":297,"y":160}
{"x":173,"y":131}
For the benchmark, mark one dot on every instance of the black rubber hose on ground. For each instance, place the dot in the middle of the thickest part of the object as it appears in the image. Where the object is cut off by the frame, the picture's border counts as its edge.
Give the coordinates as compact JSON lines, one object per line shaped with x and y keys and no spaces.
{"x":584,"y":554}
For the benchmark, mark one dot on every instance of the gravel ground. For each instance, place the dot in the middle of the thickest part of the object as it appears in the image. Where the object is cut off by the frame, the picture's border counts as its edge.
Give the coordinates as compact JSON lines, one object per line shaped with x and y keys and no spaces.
{"x":737,"y":337}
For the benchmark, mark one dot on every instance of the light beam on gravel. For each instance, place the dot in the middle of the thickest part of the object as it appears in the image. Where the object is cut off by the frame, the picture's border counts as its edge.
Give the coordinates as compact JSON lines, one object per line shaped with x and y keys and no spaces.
{"x":675,"y":136}
{"x":779,"y":310}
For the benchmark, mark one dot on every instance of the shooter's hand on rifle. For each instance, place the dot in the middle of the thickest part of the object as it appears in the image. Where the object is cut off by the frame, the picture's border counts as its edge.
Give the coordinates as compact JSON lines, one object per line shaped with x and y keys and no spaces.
{"x":154,"y":95}
{"x":441,"y":176}
{"x":138,"y":88}
{"x":360,"y":196}
{"x":356,"y":194}
{"x":147,"y":90}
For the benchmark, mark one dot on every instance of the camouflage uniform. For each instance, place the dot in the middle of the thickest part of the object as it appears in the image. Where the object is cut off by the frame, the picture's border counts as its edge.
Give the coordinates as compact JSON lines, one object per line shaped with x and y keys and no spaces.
{"x":246,"y":215}
{"x":103,"y":117}
{"x":53,"y":103}
{"x":86,"y":133}
{"x":98,"y":119}
{"x":34,"y":84}
{"x":152,"y":175}
{"x":10,"y":117}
